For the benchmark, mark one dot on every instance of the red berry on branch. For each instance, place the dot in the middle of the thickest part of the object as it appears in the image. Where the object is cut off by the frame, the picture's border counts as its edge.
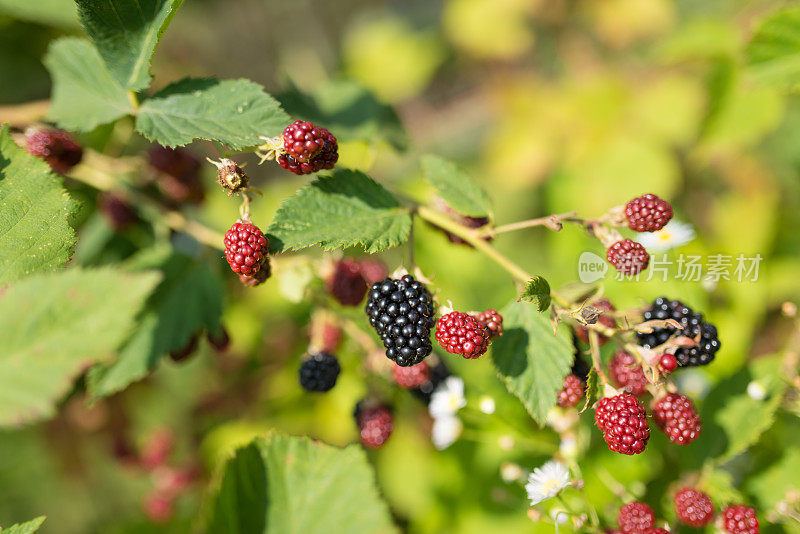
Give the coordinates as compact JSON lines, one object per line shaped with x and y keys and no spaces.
{"x":740,"y":519}
{"x":667,"y":363}
{"x":346,"y":283}
{"x":623,"y":421}
{"x":373,"y":270}
{"x":375,"y":424}
{"x":59,"y":149}
{"x":626,"y":373}
{"x":636,"y":518}
{"x":259,"y":278}
{"x":694,"y":508}
{"x":676,"y":416}
{"x":492,"y":320}
{"x":412,"y":376}
{"x":648,"y":213}
{"x":307,"y":148}
{"x":246,"y":248}
{"x":461,"y":333}
{"x":572,"y":391}
{"x":628,"y":257}
{"x":158,"y":507}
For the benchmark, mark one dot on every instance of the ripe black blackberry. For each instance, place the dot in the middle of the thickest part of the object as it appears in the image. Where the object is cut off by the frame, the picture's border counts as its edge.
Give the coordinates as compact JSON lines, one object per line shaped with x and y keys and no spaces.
{"x":375,"y":423}
{"x":648,"y":213}
{"x":623,"y":421}
{"x":628,"y":257}
{"x":694,"y":327}
{"x":626,"y":373}
{"x":572,"y":391}
{"x":694,"y":508}
{"x":245,"y":248}
{"x":636,"y":518}
{"x":676,"y":415}
{"x":307,"y":148}
{"x":461,"y":333}
{"x":319,"y":372}
{"x":402,"y":313}
{"x":740,"y":519}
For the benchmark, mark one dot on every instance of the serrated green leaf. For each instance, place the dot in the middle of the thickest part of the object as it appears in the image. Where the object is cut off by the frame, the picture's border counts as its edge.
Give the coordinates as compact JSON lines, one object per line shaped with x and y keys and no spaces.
{"x":342,"y":210}
{"x":126,"y":33}
{"x":291,"y":485}
{"x":537,"y":291}
{"x":456,"y":187}
{"x":592,"y":390}
{"x":29,"y":527}
{"x":530,"y":359}
{"x":233,"y":112}
{"x":773,"y":54}
{"x":84,"y":95}
{"x":53,"y":12}
{"x":188,"y":300}
{"x":35,"y":235}
{"x":72,"y":319}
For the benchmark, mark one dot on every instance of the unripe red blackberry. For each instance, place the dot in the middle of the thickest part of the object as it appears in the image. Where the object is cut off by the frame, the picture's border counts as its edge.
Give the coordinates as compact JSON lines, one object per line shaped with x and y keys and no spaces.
{"x":157,"y":449}
{"x":694,"y":508}
{"x":158,"y":507}
{"x":373,"y":270}
{"x":626,"y":373}
{"x":183,"y":353}
{"x":375,"y":424}
{"x":56,"y":147}
{"x":346,"y":284}
{"x":492,"y":320}
{"x":116,"y":211}
{"x":307,"y":148}
{"x":628,"y":257}
{"x":180,"y":173}
{"x":259,"y":278}
{"x":676,"y":416}
{"x":740,"y":519}
{"x":667,"y":363}
{"x":460,"y":333}
{"x":572,"y":391}
{"x":606,"y":319}
{"x":245,"y":248}
{"x":636,"y":518}
{"x":648,"y":213}
{"x":411,"y":377}
{"x":658,"y":531}
{"x":319,"y":372}
{"x":220,"y":341}
{"x":623,"y":421}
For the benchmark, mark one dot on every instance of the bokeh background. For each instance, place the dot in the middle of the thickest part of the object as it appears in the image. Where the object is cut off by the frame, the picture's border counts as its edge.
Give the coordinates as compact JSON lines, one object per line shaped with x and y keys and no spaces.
{"x":553,"y":105}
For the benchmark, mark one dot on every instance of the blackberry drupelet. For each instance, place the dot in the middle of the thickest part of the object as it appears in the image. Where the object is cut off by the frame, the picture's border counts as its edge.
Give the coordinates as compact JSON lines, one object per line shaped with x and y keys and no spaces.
{"x":693,"y":327}
{"x":402,"y":313}
{"x":319,"y":372}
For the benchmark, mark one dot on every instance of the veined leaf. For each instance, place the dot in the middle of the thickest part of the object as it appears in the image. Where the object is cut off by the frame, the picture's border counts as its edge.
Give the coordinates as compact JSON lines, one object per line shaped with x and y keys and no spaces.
{"x":530,"y":359}
{"x":72,"y":319}
{"x":126,"y":33}
{"x":233,"y":112}
{"x":290,"y":485}
{"x":343,"y":210}
{"x":28,"y":527}
{"x":773,"y":53}
{"x":456,"y":187}
{"x":537,"y":291}
{"x":35,"y":234}
{"x":85,"y":95}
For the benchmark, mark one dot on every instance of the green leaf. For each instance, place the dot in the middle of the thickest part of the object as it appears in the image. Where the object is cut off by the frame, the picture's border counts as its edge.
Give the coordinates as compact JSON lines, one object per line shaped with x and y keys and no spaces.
{"x":456,"y":187}
{"x":233,"y":112}
{"x":35,"y":234}
{"x":291,"y":485}
{"x":343,"y":210}
{"x":188,"y":300}
{"x":531,"y":360}
{"x":72,"y":319}
{"x":85,"y":95}
{"x":126,"y":33}
{"x":51,"y":12}
{"x":592,"y":390}
{"x":773,"y":54}
{"x":774,"y":483}
{"x":29,"y":527}
{"x":537,"y":290}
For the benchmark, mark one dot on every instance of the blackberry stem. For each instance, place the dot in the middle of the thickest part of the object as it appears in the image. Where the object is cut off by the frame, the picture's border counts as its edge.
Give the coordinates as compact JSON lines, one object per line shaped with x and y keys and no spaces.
{"x":530,"y":223}
{"x":594,"y":345}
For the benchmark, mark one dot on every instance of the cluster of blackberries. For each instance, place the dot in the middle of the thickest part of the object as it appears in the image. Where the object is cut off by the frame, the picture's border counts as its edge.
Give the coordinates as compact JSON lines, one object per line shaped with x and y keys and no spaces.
{"x":694,"y":327}
{"x":402,"y":313}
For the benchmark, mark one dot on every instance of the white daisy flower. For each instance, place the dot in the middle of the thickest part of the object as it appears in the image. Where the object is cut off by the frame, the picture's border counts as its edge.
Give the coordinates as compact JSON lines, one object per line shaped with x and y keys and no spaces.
{"x":547,"y":481}
{"x":448,"y":398}
{"x":445,"y":431}
{"x":486,"y":405}
{"x":673,"y":235}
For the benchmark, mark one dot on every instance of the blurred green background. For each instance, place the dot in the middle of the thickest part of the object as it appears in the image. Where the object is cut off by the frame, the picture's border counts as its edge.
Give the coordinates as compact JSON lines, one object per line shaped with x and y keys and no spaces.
{"x":553,"y":105}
